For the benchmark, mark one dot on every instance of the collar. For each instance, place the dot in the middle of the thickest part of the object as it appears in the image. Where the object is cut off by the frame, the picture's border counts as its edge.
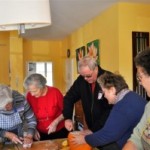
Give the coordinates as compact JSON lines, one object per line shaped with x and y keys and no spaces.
{"x":121,"y":94}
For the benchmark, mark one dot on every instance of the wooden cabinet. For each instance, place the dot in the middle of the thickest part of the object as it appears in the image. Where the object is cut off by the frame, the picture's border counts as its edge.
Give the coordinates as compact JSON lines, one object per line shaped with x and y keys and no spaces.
{"x":79,"y":117}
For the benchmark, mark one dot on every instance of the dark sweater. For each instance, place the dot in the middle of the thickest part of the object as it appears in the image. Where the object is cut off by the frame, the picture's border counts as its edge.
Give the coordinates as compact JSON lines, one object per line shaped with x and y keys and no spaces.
{"x":96,"y":110}
{"x":123,"y":118}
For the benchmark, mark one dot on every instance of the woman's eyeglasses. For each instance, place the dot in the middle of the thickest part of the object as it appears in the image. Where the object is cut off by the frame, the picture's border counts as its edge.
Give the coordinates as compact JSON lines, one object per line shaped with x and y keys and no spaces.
{"x":139,"y":77}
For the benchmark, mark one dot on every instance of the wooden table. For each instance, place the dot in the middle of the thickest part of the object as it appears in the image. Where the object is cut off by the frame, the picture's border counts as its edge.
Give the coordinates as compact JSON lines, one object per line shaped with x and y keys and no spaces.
{"x":39,"y":145}
{"x":7,"y":147}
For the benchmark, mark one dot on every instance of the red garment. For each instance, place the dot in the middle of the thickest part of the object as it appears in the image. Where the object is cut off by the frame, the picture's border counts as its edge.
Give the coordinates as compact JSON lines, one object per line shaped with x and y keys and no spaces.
{"x":47,"y":108}
{"x":93,"y":87}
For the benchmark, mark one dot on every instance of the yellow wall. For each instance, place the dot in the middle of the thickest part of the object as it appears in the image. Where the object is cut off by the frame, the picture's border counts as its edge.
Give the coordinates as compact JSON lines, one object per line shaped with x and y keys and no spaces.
{"x":105,"y":28}
{"x":113,"y":27}
{"x":16,"y":62}
{"x":4,"y":58}
{"x":45,"y":51}
{"x":132,"y":17}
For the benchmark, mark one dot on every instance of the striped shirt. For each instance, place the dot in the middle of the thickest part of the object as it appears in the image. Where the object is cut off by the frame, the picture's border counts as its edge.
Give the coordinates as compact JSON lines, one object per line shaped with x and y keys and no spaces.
{"x":27,"y":116}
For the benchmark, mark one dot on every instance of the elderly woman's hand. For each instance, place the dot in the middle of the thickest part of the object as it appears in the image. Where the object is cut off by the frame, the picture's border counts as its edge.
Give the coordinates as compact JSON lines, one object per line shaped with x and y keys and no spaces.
{"x":86,"y":132}
{"x":27,"y":141}
{"x":13,"y":137}
{"x":78,"y":138}
{"x":37,"y":135}
{"x":52,"y":127}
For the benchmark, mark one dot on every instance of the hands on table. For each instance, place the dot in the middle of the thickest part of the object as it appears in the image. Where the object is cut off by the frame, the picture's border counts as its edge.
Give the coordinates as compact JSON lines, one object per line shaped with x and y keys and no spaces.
{"x":79,"y":137}
{"x":26,"y":141}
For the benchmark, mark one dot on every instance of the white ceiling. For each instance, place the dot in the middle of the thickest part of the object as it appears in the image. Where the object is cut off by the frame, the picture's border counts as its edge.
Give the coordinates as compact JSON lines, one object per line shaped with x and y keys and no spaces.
{"x":69,"y":15}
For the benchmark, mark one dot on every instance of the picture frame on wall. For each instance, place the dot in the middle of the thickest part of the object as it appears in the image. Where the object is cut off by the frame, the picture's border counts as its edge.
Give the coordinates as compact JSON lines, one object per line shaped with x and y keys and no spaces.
{"x":80,"y":53}
{"x":93,"y":50}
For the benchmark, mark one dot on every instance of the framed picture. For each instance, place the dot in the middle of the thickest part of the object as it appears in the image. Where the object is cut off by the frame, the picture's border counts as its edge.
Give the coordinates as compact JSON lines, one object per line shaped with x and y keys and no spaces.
{"x":80,"y":52}
{"x":93,"y":50}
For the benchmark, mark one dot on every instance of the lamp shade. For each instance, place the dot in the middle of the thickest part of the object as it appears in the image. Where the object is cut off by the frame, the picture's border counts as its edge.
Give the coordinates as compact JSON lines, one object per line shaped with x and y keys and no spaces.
{"x":29,"y":13}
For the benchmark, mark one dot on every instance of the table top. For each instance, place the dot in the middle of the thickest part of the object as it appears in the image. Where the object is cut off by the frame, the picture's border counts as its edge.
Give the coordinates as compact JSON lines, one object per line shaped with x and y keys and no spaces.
{"x":38,"y":145}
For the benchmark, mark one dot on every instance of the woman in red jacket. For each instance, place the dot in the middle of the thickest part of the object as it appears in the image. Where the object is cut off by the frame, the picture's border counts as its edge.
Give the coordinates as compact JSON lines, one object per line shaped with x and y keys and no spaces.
{"x":47,"y":105}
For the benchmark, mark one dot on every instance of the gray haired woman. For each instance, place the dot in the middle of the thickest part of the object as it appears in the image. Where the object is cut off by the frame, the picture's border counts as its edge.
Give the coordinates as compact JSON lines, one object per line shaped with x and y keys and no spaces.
{"x":17,"y":121}
{"x":47,"y":105}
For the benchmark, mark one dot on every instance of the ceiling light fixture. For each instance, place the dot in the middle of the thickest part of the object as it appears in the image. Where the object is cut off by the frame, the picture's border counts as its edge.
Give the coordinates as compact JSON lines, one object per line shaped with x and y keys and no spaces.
{"x":24,"y":14}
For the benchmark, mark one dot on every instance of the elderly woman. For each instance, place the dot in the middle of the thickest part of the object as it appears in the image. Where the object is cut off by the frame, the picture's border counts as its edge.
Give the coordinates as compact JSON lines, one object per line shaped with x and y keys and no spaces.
{"x":140,"y":139}
{"x":126,"y":113}
{"x":47,"y":104}
{"x":17,"y":121}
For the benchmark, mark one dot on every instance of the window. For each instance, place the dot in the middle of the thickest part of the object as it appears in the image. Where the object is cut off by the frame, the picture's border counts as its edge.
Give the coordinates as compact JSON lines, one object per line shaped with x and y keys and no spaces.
{"x":44,"y":68}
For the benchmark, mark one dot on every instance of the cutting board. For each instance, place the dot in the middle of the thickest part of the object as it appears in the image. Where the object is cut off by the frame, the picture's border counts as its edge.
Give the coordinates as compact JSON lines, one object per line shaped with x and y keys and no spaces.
{"x":45,"y":145}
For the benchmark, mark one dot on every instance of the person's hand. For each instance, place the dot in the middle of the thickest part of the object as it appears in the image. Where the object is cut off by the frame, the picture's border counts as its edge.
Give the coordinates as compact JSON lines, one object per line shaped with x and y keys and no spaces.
{"x":86,"y":132}
{"x":13,"y":137}
{"x":37,"y":135}
{"x":27,"y":141}
{"x":52,"y":127}
{"x":69,"y":125}
{"x":78,"y":138}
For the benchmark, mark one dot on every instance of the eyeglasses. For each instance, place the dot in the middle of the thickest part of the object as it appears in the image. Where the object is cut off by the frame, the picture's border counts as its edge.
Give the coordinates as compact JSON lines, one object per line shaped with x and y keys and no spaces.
{"x":139,"y":77}
{"x":87,"y":76}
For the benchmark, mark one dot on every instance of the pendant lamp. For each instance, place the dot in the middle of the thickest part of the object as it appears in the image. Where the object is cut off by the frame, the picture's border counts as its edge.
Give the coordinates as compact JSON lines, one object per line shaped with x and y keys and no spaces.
{"x":24,"y":14}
